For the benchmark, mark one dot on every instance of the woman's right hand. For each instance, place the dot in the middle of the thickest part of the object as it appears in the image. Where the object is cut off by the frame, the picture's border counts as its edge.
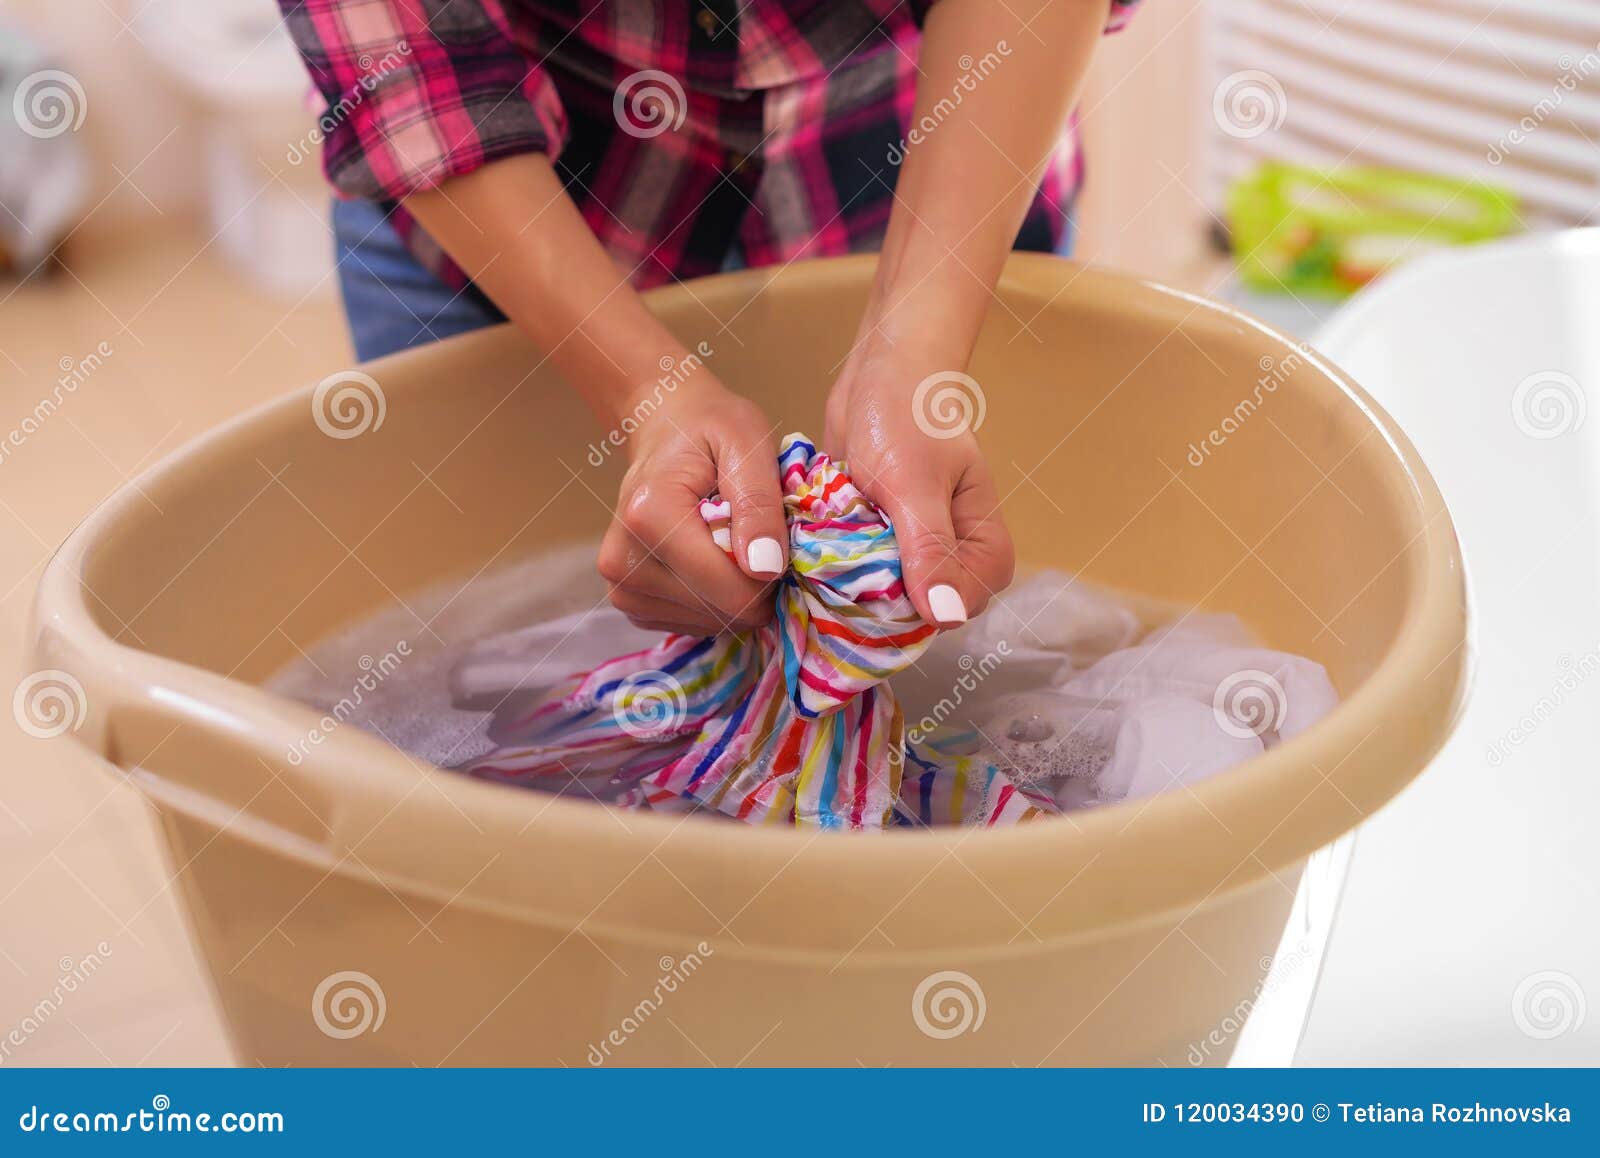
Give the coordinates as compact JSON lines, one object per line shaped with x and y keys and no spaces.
{"x":664,"y":571}
{"x":514,"y":229}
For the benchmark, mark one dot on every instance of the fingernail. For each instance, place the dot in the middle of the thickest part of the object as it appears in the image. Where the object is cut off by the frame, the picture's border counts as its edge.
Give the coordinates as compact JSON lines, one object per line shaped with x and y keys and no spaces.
{"x":765,"y":557}
{"x":945,"y":602}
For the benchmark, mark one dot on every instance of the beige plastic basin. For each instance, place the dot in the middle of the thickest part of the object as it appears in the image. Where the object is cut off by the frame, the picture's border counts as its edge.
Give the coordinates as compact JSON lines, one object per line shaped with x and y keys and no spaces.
{"x":504,"y":926}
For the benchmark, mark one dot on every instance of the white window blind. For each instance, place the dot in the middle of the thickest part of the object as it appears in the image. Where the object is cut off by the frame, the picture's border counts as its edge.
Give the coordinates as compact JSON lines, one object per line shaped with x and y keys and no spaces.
{"x":1507,"y":91}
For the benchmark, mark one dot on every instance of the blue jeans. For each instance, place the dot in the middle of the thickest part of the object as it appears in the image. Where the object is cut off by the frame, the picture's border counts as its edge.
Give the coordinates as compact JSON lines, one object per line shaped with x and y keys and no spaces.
{"x":392,"y":302}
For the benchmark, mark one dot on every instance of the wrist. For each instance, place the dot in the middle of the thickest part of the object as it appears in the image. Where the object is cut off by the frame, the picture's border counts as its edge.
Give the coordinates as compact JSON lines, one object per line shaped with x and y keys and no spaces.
{"x":930,"y":327}
{"x":675,"y":376}
{"x":894,"y":359}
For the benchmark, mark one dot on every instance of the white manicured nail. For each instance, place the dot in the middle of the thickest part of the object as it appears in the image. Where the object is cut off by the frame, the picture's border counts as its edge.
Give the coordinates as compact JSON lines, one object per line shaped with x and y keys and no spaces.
{"x":946,"y":604}
{"x":765,"y":557}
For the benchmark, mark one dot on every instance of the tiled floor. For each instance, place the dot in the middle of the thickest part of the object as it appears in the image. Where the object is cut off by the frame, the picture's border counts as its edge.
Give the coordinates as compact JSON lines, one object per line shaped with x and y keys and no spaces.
{"x":81,"y":869}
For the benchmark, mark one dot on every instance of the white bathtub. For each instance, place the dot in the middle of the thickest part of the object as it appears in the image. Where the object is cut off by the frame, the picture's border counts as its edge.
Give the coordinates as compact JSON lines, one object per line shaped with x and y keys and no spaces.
{"x":1468,"y":929}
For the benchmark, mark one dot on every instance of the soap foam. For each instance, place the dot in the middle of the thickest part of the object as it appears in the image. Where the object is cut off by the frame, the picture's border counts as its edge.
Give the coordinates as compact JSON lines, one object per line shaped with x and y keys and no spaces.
{"x":1059,"y":684}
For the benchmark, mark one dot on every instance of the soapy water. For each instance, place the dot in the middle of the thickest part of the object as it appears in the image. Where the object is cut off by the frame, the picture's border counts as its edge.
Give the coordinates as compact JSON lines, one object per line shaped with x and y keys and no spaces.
{"x":1064,"y":685}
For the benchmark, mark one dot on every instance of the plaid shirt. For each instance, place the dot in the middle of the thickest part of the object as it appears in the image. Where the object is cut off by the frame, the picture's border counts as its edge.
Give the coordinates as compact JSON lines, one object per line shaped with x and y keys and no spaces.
{"x":683,"y":129}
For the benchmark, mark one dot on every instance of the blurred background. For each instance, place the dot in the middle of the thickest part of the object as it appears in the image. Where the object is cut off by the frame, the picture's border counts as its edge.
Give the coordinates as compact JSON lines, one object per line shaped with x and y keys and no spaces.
{"x":167,"y":262}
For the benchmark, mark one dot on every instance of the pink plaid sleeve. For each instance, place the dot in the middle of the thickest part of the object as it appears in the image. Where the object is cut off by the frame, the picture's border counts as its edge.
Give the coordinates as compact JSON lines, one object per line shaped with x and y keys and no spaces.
{"x":419,"y":91}
{"x":1121,"y":12}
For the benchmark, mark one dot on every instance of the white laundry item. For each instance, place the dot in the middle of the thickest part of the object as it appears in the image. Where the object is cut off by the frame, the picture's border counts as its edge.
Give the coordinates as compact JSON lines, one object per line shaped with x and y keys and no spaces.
{"x":1060,"y":685}
{"x":390,"y":672}
{"x":1092,"y":752}
{"x":1055,"y":616}
{"x":1166,"y":742}
{"x":1032,"y":635}
{"x":1192,"y":699}
{"x":538,"y":658}
{"x":1269,"y":694}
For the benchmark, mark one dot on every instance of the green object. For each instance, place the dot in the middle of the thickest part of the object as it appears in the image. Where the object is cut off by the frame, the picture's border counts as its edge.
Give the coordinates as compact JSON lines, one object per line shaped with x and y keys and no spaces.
{"x":1329,"y":233}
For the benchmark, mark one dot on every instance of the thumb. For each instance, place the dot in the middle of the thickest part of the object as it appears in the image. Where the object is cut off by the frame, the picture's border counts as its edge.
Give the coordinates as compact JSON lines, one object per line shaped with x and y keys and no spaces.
{"x":748,"y":480}
{"x":934,"y":577}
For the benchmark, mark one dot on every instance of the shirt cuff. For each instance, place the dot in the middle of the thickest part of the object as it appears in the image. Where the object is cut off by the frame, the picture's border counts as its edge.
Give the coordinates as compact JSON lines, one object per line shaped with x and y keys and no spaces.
{"x":413,"y":130}
{"x":411,"y":101}
{"x":1121,"y":12}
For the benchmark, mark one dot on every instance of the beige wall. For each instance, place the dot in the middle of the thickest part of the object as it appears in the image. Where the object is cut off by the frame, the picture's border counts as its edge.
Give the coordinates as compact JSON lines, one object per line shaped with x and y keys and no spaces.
{"x":131,"y":111}
{"x":1143,"y":116}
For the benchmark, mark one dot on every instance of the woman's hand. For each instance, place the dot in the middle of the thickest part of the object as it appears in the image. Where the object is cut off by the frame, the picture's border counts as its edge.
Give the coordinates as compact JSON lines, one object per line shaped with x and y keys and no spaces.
{"x":961,"y":194}
{"x":664,"y":571}
{"x":512,"y":227}
{"x":934,"y":484}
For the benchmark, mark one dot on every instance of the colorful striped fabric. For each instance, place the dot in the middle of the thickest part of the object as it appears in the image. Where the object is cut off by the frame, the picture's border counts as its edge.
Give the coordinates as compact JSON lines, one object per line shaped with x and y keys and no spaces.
{"x":791,"y":724}
{"x":952,"y":780}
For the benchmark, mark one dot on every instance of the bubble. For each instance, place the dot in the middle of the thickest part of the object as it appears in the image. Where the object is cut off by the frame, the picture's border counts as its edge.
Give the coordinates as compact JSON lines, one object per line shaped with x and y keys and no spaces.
{"x":1030,"y":729}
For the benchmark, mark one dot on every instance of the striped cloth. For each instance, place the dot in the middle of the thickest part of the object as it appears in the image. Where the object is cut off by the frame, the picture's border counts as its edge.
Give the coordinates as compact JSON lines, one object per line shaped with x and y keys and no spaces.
{"x":790,"y":724}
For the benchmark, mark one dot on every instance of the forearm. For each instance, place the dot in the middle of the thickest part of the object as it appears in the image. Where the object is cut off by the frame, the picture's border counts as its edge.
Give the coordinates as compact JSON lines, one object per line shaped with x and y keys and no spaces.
{"x":997,"y":84}
{"x":514,"y":230}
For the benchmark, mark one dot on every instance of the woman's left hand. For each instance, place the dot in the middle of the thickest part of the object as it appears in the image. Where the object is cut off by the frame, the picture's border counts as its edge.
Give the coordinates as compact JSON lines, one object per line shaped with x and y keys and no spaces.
{"x":960,"y":197}
{"x":932,"y":480}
